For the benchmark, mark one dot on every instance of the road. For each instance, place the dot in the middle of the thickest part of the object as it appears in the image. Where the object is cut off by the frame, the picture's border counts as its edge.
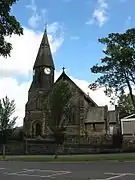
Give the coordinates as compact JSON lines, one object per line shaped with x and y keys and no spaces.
{"x":67,"y":171}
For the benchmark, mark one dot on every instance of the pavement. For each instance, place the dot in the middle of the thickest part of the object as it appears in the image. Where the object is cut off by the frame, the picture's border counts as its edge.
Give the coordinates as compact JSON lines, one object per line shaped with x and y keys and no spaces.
{"x":67,"y":171}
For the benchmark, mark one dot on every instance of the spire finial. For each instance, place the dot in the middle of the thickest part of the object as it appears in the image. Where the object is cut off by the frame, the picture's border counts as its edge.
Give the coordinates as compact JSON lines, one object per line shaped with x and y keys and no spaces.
{"x":63,"y":70}
{"x":46,"y":27}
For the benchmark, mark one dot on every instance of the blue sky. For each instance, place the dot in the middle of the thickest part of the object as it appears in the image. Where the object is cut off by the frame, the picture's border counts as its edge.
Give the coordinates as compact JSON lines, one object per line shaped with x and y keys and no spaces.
{"x":80,"y":49}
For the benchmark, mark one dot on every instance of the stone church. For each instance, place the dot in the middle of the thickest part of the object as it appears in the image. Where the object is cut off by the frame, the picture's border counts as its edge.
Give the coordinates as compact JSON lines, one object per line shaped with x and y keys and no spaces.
{"x":89,"y":118}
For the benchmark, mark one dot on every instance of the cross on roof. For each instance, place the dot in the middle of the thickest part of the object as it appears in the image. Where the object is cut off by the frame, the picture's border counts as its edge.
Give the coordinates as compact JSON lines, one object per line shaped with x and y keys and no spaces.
{"x":63,"y":69}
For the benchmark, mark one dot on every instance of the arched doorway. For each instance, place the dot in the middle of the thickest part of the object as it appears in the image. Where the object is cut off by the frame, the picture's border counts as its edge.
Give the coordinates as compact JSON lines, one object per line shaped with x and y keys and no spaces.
{"x":38,"y":129}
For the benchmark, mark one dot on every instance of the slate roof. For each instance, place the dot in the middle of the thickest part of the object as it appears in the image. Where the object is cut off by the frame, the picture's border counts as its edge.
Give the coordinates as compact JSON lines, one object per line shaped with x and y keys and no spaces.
{"x":44,"y":56}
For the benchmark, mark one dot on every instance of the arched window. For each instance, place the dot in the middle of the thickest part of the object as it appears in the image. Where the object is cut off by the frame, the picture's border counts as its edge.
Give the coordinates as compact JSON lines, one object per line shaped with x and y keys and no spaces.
{"x":38,"y":129}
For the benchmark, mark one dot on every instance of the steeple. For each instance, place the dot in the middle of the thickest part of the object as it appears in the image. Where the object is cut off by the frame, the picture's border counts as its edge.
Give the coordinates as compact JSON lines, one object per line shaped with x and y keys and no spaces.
{"x":44,"y":56}
{"x":43,"y":69}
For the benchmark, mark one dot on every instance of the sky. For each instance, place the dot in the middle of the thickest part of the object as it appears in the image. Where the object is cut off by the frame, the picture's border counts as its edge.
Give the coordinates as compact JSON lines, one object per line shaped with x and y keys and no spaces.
{"x":74,"y":27}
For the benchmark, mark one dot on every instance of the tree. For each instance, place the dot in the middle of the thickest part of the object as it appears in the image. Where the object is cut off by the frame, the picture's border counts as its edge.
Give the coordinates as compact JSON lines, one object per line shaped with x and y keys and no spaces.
{"x":17,"y":135}
{"x":125,"y":105}
{"x":7,"y":121}
{"x":58,"y":110}
{"x":8,"y":26}
{"x":118,"y":66}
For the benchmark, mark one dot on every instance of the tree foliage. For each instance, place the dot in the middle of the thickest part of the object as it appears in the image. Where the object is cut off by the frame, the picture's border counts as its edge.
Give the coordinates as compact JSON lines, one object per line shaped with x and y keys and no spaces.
{"x":117,"y":68}
{"x":17,"y":135}
{"x":58,"y":109}
{"x":8,"y":26}
{"x":125,"y":105}
{"x":7,"y":121}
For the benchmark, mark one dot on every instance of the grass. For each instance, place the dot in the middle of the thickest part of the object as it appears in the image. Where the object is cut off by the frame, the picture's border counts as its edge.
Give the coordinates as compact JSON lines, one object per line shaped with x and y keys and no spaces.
{"x":81,"y":158}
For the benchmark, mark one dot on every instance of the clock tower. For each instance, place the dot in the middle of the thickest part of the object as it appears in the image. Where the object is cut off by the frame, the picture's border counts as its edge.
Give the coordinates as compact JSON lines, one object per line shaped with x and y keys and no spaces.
{"x":43,"y":69}
{"x":42,"y":82}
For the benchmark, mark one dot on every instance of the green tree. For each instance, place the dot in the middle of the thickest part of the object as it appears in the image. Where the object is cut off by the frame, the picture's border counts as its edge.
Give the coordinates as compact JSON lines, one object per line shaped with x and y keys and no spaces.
{"x":117,"y":68}
{"x":125,"y":105}
{"x":58,"y":109}
{"x":8,"y":26}
{"x":17,"y":135}
{"x":7,"y":121}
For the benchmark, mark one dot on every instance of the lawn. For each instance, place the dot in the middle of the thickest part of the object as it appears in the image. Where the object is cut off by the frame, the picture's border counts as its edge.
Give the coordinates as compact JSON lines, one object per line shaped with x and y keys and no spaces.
{"x":72,"y":158}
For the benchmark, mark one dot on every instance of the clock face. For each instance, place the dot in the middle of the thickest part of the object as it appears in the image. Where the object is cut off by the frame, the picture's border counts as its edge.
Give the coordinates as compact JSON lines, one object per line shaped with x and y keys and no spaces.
{"x":47,"y":70}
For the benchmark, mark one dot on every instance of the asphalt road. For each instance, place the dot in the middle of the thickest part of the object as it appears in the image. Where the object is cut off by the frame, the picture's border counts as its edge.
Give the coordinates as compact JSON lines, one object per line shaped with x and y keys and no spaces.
{"x":67,"y":171}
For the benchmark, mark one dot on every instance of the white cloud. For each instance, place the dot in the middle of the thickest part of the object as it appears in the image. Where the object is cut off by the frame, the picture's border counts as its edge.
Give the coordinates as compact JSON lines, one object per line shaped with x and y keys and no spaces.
{"x":32,"y":6}
{"x":128,"y":22}
{"x":99,"y":15}
{"x":53,"y":28}
{"x":37,"y":16}
{"x":34,"y":20}
{"x":20,"y":64}
{"x":98,"y":96}
{"x":25,"y":50}
{"x":16,"y":91}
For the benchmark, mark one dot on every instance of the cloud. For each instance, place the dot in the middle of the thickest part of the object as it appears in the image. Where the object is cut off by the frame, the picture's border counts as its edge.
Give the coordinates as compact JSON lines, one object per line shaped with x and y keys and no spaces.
{"x":100,"y":15}
{"x":95,"y":95}
{"x":20,"y":64}
{"x":16,"y":91}
{"x":128,"y":22}
{"x":34,"y":20}
{"x":21,"y":60}
{"x":32,"y":6}
{"x":37,"y":16}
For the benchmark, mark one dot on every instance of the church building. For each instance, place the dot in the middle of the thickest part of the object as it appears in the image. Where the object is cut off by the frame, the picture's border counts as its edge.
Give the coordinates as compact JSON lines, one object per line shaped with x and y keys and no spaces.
{"x":89,"y":117}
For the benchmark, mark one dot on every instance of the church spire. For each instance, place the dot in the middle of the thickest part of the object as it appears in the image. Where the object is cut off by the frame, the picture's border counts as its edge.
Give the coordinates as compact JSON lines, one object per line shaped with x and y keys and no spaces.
{"x":43,"y":70}
{"x":44,"y":56}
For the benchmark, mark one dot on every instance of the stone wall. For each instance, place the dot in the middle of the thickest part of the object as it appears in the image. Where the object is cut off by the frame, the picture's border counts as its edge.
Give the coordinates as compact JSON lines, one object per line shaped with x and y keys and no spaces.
{"x":73,"y":145}
{"x":14,"y":148}
{"x":39,"y":147}
{"x":95,"y":140}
